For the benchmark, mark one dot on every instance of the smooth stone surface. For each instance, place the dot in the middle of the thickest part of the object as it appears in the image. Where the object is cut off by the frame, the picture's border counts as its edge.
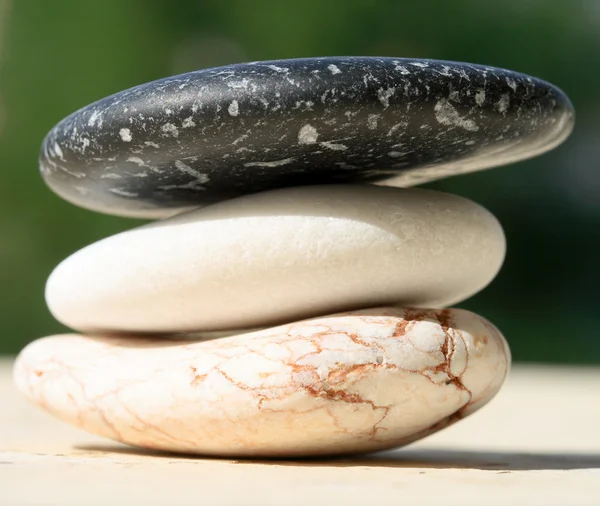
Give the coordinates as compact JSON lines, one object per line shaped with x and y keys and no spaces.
{"x":278,"y":256}
{"x":355,"y":382}
{"x":202,"y":137}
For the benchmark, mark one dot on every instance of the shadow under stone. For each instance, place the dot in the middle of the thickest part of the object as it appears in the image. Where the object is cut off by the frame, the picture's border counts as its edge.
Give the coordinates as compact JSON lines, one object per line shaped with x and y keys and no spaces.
{"x":409,"y":459}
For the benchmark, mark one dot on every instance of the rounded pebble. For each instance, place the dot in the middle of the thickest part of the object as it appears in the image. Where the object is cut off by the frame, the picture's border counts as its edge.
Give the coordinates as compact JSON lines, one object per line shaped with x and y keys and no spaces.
{"x":198,"y":138}
{"x":355,"y":382}
{"x":279,"y":256}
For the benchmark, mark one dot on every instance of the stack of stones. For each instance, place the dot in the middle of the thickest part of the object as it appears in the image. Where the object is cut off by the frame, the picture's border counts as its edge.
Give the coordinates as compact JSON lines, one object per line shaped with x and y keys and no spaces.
{"x":292,"y":297}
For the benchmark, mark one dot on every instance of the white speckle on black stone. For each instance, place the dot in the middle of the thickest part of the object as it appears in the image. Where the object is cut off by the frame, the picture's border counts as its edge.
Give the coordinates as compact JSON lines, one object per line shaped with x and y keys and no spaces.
{"x":275,"y":163}
{"x":85,"y":142}
{"x":233,"y":109}
{"x":243,"y":84}
{"x":395,"y":128}
{"x":111,"y":175}
{"x":384,"y":95}
{"x":372,"y":121}
{"x":308,"y":135}
{"x":503,"y":103}
{"x":447,"y":115}
{"x":188,"y":123}
{"x":186,"y":169}
{"x":334,"y":69}
{"x":125,"y":134}
{"x":169,"y":129}
{"x":445,"y":71}
{"x":137,"y":160}
{"x":454,"y":95}
{"x":96,"y":117}
{"x":403,"y":70}
{"x":278,"y":69}
{"x":480,"y":97}
{"x":241,"y":138}
{"x":334,"y":146}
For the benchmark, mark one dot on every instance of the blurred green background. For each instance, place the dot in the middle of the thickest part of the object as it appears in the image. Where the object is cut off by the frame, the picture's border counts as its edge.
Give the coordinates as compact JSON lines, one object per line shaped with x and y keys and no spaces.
{"x":59,"y":55}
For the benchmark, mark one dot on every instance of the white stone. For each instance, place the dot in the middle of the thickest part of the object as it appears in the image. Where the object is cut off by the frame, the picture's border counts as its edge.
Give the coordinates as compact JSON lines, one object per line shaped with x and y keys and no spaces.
{"x":354,"y":382}
{"x":279,"y":256}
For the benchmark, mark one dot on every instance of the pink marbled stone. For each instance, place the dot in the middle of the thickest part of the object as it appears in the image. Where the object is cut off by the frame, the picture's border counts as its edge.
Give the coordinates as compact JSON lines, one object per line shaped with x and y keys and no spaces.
{"x":354,"y":382}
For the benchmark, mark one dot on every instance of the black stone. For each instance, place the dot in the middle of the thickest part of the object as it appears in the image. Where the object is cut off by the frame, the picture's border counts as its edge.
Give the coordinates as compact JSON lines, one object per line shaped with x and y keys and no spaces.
{"x":202,"y":137}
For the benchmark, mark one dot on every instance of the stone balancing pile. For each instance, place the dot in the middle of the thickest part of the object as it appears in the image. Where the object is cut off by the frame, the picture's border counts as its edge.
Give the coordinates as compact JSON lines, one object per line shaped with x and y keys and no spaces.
{"x":292,"y":297}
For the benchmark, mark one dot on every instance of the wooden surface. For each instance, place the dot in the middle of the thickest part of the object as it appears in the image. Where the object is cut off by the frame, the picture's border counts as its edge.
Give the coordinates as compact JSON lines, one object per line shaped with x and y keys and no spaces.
{"x":537,"y":443}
